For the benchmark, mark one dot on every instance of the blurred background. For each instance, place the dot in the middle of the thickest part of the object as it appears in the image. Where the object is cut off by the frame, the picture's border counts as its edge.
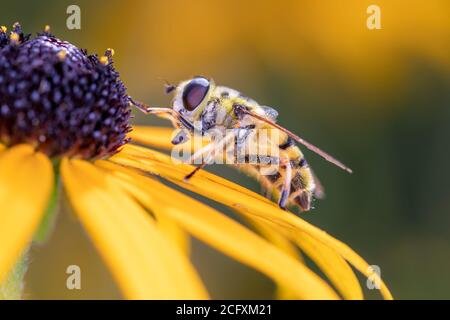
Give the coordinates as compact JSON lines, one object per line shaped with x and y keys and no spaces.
{"x":379,"y":100}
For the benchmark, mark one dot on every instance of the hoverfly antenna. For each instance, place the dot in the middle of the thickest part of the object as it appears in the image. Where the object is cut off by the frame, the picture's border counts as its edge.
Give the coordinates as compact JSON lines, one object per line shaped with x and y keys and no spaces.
{"x":168,"y":87}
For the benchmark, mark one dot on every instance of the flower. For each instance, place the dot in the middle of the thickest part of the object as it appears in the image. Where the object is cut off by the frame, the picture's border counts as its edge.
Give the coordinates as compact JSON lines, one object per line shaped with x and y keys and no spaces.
{"x":65,"y":113}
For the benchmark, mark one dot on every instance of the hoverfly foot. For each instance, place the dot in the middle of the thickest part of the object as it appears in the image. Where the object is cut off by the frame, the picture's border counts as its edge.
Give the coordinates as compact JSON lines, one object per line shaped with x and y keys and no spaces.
{"x":283,"y":199}
{"x":190,"y":175}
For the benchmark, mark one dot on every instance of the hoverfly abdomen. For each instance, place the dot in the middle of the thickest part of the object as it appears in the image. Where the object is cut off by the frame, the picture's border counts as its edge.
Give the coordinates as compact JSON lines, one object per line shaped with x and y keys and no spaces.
{"x":273,"y":178}
{"x":304,"y":200}
{"x":289,"y":142}
{"x":301,"y":183}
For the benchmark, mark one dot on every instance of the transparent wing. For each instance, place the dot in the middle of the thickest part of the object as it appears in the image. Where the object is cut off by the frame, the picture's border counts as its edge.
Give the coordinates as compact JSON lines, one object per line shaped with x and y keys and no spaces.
{"x":308,"y":145}
{"x":270,"y":113}
{"x":319,"y":191}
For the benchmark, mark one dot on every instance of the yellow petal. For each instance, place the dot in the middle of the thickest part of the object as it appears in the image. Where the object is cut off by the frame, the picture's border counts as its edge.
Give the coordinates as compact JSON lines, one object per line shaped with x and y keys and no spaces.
{"x":26,"y":179}
{"x":283,"y":243}
{"x":144,"y":262}
{"x":174,"y":232}
{"x":275,"y":237}
{"x":235,"y":196}
{"x":224,"y":234}
{"x":158,"y":137}
{"x":171,"y":229}
{"x":331,"y":263}
{"x":2,"y":147}
{"x":161,"y":137}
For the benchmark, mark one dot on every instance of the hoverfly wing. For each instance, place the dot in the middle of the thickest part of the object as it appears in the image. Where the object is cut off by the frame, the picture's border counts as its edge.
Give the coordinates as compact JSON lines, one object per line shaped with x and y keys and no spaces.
{"x":319,"y":191}
{"x":270,"y":113}
{"x":308,"y":145}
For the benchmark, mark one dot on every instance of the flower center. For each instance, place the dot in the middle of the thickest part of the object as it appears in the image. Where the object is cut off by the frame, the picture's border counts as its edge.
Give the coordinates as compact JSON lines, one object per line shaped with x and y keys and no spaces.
{"x":59,"y":99}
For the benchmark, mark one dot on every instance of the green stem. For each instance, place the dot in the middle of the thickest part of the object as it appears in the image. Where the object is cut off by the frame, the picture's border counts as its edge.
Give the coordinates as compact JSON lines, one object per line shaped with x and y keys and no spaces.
{"x":12,"y":287}
{"x":48,"y":221}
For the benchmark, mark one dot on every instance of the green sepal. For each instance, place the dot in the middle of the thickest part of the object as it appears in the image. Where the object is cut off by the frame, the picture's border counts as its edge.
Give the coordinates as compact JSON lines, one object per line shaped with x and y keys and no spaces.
{"x":12,"y":287}
{"x":49,"y":219}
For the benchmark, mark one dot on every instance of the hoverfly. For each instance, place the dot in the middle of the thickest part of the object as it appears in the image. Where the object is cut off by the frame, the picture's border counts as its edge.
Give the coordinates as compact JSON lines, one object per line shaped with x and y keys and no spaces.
{"x":199,"y":100}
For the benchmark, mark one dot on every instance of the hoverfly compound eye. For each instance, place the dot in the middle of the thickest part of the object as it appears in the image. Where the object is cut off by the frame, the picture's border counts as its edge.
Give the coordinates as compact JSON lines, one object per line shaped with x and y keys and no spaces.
{"x":194,"y":93}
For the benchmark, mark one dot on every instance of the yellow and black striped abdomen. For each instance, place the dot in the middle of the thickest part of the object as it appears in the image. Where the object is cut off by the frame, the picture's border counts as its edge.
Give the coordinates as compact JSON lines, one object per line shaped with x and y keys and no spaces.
{"x":302,"y":183}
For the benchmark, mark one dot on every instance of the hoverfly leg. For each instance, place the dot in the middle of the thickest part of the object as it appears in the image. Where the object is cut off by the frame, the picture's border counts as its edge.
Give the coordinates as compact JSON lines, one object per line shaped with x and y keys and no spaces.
{"x":283,"y":199}
{"x":193,"y":172}
{"x":173,"y":114}
{"x":267,"y":193}
{"x":286,"y":188}
{"x":199,"y":155}
{"x":206,"y":161}
{"x":210,"y":151}
{"x":141,"y":106}
{"x":180,"y":138}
